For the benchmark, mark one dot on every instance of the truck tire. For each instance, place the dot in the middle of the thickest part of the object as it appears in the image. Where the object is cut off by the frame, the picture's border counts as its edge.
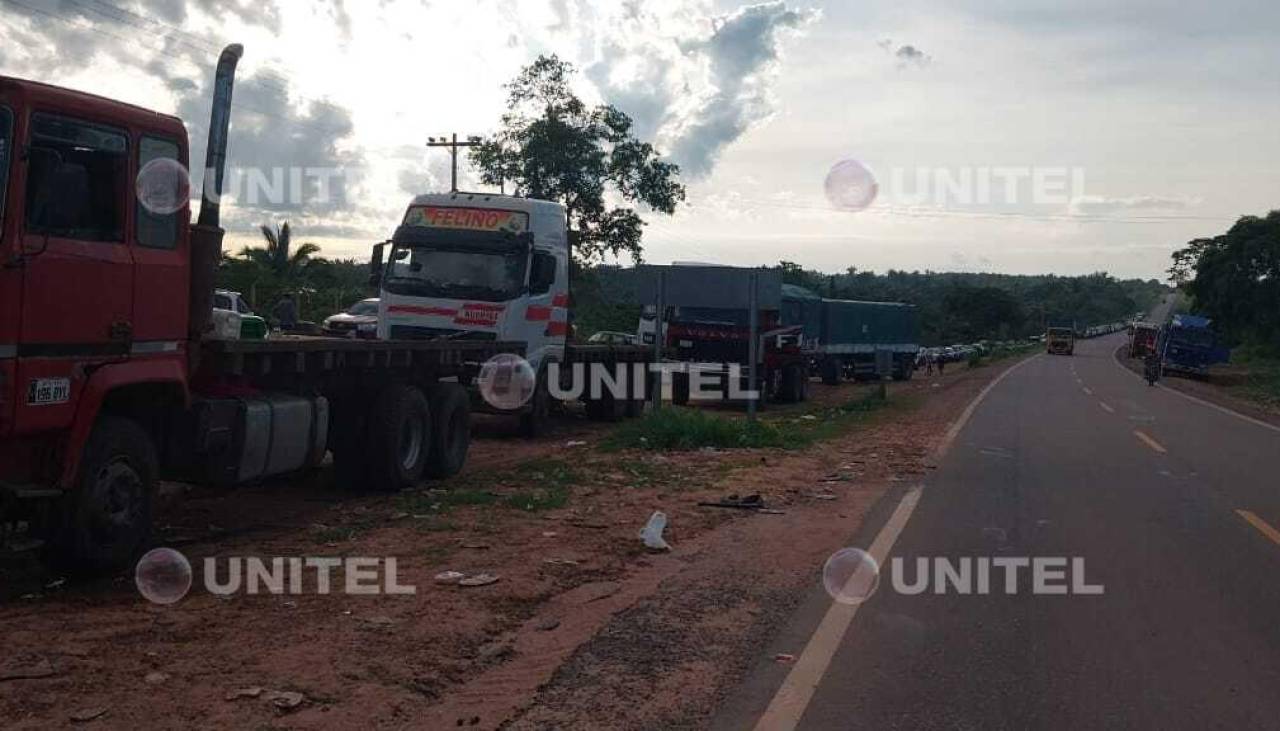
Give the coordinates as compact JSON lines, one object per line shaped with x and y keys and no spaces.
{"x":831,"y":371}
{"x":536,"y":422}
{"x":399,"y":439}
{"x":680,"y":389}
{"x":105,"y":521}
{"x":450,"y":429}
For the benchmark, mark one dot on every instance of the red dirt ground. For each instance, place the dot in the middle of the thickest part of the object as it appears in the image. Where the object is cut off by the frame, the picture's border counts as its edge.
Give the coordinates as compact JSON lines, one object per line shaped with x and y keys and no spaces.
{"x":584,"y":629}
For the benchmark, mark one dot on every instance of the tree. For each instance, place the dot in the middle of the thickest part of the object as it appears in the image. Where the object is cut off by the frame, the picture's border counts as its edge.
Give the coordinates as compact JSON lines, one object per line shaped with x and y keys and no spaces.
{"x":1235,"y":278}
{"x":552,"y":146}
{"x":276,"y":257}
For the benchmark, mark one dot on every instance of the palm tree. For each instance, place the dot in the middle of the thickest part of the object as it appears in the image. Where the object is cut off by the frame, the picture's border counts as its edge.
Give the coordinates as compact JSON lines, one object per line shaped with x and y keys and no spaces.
{"x":276,"y":256}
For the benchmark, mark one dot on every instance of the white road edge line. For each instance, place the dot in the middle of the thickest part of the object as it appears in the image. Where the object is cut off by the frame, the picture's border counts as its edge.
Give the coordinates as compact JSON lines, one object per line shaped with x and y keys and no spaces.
{"x":797,"y":689}
{"x":1195,"y":399}
{"x":1106,"y":407}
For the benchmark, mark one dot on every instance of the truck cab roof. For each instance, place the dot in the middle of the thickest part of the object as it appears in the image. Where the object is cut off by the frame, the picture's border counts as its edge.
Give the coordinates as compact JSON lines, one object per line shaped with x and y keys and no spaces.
{"x":62,"y":100}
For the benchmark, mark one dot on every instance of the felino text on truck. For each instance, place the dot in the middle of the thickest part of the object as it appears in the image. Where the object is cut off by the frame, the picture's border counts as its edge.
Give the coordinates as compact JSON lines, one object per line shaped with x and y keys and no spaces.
{"x":109,"y":379}
{"x":475,"y":267}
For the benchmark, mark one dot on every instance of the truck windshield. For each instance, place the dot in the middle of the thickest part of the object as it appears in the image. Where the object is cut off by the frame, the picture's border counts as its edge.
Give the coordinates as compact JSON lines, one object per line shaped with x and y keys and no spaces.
{"x":480,"y":274}
{"x":6,"y":144}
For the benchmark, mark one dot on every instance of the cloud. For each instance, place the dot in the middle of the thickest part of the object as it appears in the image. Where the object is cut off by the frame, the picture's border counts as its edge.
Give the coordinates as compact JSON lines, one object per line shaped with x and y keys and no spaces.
{"x":909,"y":55}
{"x":1093,"y":205}
{"x":741,"y":56}
{"x":906,"y":55}
{"x":693,"y":81}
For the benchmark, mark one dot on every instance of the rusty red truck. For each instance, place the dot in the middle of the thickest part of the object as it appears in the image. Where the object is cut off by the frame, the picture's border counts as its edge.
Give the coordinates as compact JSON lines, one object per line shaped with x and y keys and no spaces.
{"x":109,"y":378}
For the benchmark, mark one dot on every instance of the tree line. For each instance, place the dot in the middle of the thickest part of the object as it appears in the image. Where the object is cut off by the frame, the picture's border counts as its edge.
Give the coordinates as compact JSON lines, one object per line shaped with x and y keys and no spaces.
{"x":1234,"y":279}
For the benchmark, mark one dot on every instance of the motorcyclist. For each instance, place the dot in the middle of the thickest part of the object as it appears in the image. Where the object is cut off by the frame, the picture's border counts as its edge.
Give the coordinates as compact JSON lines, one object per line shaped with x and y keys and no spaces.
{"x":1151,"y":367}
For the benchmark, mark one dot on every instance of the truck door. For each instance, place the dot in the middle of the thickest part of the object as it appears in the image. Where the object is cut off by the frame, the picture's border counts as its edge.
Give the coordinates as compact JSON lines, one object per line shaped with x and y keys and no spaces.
{"x":77,"y":302}
{"x":546,"y":312}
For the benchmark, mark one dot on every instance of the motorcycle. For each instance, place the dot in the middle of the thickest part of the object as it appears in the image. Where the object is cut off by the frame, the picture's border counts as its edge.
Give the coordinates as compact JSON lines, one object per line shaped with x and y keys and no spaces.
{"x":1151,"y":369}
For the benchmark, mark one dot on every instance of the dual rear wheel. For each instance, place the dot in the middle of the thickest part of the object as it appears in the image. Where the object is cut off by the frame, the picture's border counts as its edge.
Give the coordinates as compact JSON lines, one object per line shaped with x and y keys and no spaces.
{"x":403,"y":435}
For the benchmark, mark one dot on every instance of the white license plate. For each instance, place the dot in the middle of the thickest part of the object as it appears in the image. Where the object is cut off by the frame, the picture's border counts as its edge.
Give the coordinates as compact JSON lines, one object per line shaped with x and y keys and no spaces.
{"x":44,"y":391}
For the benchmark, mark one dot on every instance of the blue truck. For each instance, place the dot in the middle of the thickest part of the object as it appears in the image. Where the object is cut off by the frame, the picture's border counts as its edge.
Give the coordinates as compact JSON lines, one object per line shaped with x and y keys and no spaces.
{"x":1188,"y":344}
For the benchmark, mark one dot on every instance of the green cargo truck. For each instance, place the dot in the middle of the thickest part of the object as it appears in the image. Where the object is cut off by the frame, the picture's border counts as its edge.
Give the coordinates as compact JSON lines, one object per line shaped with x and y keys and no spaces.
{"x":852,"y":332}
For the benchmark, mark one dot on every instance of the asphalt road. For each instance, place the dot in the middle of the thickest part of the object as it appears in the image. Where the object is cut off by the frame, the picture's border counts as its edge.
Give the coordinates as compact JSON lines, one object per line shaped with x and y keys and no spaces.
{"x":1068,"y":457}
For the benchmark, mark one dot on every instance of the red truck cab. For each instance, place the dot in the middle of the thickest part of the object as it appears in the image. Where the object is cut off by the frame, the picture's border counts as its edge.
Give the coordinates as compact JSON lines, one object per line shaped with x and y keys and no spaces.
{"x":92,"y":283}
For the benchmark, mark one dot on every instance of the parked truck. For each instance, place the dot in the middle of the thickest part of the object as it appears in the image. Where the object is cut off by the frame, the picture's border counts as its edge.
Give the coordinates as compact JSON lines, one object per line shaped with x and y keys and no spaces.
{"x":1189,"y":345}
{"x":1060,"y":340}
{"x":712,"y":344}
{"x":852,"y":332}
{"x":1143,"y":337}
{"x":109,"y":380}
{"x":475,"y":267}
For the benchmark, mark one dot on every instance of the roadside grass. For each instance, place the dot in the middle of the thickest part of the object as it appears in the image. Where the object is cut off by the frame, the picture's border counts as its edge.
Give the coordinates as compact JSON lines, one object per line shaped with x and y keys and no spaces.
{"x":677,"y":428}
{"x":538,"y":484}
{"x":682,"y":429}
{"x":1261,"y":375}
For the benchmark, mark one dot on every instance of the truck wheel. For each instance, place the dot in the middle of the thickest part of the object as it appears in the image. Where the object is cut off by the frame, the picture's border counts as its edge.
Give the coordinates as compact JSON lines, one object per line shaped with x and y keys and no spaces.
{"x":679,"y":388}
{"x":399,"y":438}
{"x":450,"y":430}
{"x":831,"y":372}
{"x":106,"y":520}
{"x":536,"y":422}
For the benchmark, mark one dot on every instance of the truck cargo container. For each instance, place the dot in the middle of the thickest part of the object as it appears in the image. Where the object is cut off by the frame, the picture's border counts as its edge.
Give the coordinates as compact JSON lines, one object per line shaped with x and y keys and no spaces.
{"x":712,"y":343}
{"x":851,"y":332}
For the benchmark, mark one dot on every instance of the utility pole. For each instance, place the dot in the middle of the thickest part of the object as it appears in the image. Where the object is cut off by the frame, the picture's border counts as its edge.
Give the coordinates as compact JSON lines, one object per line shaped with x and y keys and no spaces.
{"x":453,"y":144}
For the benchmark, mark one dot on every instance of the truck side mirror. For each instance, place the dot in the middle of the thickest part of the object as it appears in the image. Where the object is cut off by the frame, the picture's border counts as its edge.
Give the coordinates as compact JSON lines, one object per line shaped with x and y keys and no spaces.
{"x":375,"y":265}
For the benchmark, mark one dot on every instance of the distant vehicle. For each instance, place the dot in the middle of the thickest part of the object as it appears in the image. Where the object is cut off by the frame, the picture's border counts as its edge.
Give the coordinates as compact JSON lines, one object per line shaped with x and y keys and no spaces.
{"x":1143,"y":339}
{"x":611,"y":337}
{"x":252,"y":327}
{"x":225,"y":299}
{"x":852,"y":332}
{"x":1188,"y":344}
{"x":357,"y":321}
{"x":1060,"y":341}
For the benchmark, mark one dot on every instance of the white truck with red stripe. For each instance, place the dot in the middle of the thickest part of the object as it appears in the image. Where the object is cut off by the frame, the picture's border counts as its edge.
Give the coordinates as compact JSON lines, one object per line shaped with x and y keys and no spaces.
{"x":474,"y":266}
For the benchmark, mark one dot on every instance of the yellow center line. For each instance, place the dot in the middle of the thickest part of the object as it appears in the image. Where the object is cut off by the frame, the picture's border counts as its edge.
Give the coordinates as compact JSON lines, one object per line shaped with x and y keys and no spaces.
{"x":1146,"y":439}
{"x":1106,"y":407}
{"x":1263,"y":526}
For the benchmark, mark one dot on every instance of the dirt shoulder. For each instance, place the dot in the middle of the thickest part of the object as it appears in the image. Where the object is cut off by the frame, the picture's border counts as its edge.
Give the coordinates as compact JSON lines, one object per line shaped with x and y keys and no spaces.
{"x":583,"y":629}
{"x":1227,"y":385}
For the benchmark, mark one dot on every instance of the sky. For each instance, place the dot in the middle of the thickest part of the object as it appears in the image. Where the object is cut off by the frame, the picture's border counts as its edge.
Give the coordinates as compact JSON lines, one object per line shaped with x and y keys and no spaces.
{"x":1019,"y":136}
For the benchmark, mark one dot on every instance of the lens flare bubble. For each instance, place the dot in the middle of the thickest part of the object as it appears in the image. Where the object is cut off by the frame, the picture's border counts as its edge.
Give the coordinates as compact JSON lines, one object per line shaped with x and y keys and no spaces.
{"x":850,"y":185}
{"x":851,"y":576}
{"x":163,"y":576}
{"x":163,"y":186}
{"x":506,"y":381}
